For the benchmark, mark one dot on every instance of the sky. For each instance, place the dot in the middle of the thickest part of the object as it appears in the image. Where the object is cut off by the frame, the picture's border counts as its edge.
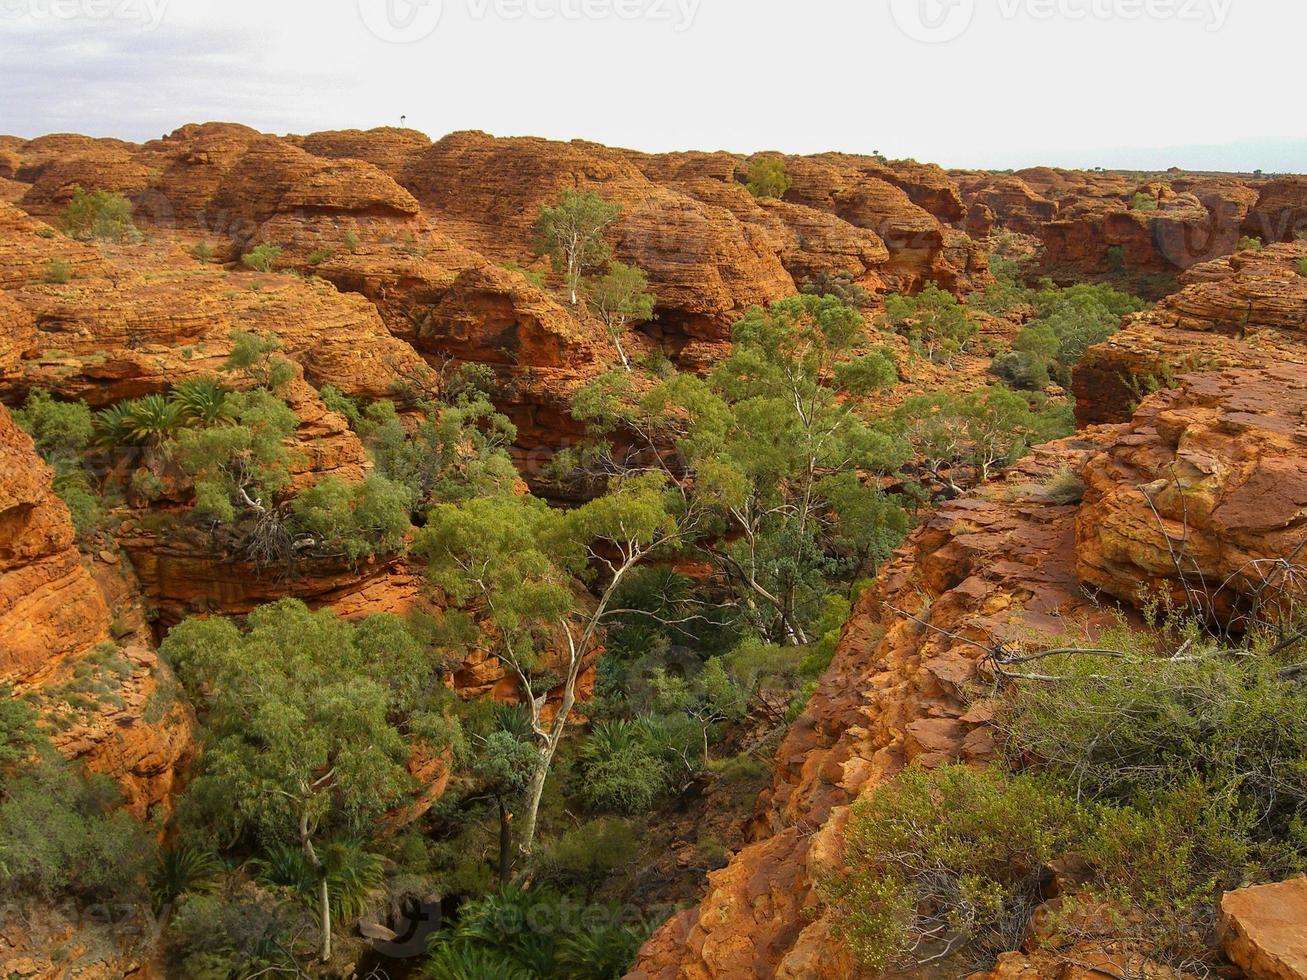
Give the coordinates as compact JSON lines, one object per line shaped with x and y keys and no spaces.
{"x":1140,"y":84}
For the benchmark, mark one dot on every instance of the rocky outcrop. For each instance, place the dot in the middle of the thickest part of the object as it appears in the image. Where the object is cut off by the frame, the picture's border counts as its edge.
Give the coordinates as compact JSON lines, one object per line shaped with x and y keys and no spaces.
{"x":1197,"y":494}
{"x":996,"y":565}
{"x":1264,"y":930}
{"x":1205,"y":498}
{"x":1247,"y":310}
{"x":78,"y":649}
{"x":1280,"y":213}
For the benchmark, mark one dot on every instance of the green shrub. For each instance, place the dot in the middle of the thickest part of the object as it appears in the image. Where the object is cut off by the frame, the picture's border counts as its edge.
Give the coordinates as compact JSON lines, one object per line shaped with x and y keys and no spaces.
{"x":350,"y":241}
{"x":1143,"y":202}
{"x":182,"y":869}
{"x":841,"y":286}
{"x":591,"y":852}
{"x":247,"y":458}
{"x":58,"y":271}
{"x":340,"y":403}
{"x":1139,"y":725}
{"x":63,"y":834}
{"x":357,"y":520}
{"x":530,"y":275}
{"x":255,"y":356}
{"x":768,"y":177}
{"x":1248,"y":243}
{"x":623,"y":770}
{"x":1302,"y":267}
{"x":1068,"y":322}
{"x":320,"y":255}
{"x":201,"y":402}
{"x":1065,"y":486}
{"x":954,"y":854}
{"x":60,"y":430}
{"x":202,"y":252}
{"x":100,"y":215}
{"x":262,"y":257}
{"x":240,"y":931}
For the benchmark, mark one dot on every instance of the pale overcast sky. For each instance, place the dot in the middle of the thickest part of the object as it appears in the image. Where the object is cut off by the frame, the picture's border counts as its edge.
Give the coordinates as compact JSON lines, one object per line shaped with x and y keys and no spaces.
{"x":985,"y":83}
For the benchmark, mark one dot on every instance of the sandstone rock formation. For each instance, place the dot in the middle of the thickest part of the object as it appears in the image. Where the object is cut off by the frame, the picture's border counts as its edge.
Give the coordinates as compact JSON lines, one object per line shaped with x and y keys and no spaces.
{"x":1219,"y":453}
{"x":1265,"y":930}
{"x":1247,"y":310}
{"x":60,"y":630}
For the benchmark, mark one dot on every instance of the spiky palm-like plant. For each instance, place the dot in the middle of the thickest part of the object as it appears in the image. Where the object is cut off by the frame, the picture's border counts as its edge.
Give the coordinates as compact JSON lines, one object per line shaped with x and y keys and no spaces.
{"x":202,"y":402}
{"x":112,"y":426}
{"x":180,"y":870}
{"x":150,"y":419}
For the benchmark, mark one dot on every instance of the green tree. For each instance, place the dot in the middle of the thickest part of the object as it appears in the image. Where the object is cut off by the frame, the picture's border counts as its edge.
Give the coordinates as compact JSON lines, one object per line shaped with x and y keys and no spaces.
{"x":516,"y":560}
{"x":502,"y":765}
{"x":63,"y":834}
{"x":983,"y":429}
{"x":355,"y":520}
{"x":99,"y":214}
{"x":768,"y":177}
{"x":934,"y":322}
{"x":621,"y":298}
{"x":255,"y":357}
{"x":308,"y":722}
{"x":458,"y":447}
{"x":571,"y":233}
{"x":765,"y":455}
{"x":242,"y":466}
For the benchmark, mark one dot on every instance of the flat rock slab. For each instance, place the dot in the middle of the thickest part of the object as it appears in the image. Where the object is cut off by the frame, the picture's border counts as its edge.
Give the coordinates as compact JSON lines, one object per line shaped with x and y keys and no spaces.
{"x":1264,"y":929}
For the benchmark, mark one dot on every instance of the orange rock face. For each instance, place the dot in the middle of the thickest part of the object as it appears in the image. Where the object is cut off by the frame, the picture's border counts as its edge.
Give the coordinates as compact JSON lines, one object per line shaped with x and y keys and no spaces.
{"x":1204,"y":484}
{"x":55,"y":616}
{"x":1248,"y":310}
{"x":1265,"y":930}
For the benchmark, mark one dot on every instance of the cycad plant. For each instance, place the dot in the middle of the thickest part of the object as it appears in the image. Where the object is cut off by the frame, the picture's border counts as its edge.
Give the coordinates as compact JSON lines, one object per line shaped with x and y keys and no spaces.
{"x":180,"y":870}
{"x":202,"y":402}
{"x":150,"y":419}
{"x":112,"y":426}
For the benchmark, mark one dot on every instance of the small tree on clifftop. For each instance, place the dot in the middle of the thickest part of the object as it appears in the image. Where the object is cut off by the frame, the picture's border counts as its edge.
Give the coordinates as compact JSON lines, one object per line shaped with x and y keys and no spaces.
{"x":572,"y":235}
{"x":621,"y":298}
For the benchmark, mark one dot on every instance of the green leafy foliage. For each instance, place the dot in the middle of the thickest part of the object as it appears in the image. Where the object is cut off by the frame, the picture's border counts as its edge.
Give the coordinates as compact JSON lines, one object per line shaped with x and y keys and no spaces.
{"x":242,"y":464}
{"x":455,"y":450}
{"x":202,"y":252}
{"x":58,"y":271}
{"x":771,"y":446}
{"x":358,"y":519}
{"x":1171,"y":764}
{"x":1143,"y":201}
{"x":571,"y":233}
{"x":63,"y":834}
{"x":936,"y":860}
{"x":255,"y":356}
{"x":62,"y":431}
{"x":534,"y":935}
{"x":985,"y":429}
{"x":1067,"y":323}
{"x":935,"y":323}
{"x":262,"y":258}
{"x":99,"y":215}
{"x":620,"y":298}
{"x":768,"y":177}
